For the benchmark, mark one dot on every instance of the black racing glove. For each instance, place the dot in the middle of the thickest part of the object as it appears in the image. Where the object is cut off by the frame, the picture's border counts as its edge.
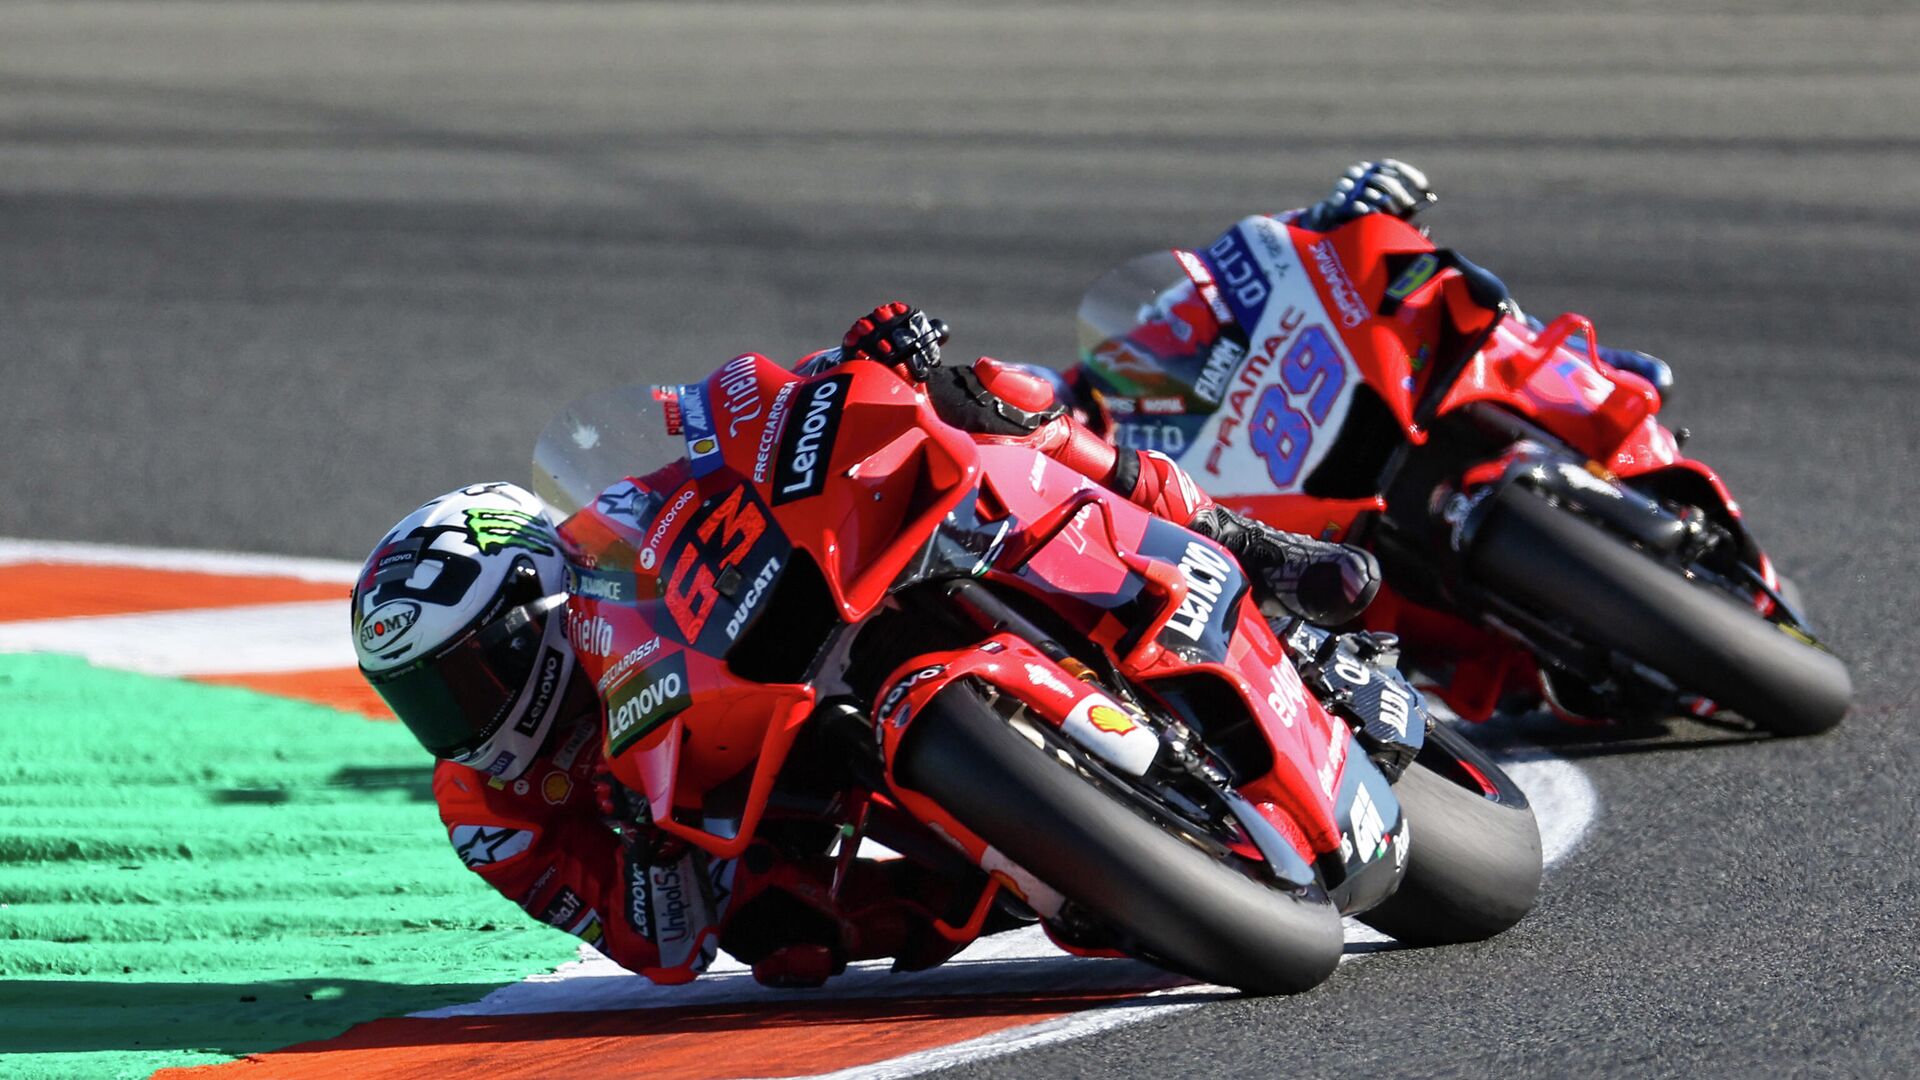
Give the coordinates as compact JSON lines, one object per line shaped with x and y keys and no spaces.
{"x":897,"y":334}
{"x":1384,"y":187}
{"x":1318,"y":581}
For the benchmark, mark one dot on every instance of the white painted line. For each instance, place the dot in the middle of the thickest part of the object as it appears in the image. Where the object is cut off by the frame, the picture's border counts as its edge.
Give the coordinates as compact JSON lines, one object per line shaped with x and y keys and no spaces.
{"x":1020,"y":962}
{"x":1563,"y":799}
{"x":206,"y":562}
{"x":1564,"y":803}
{"x":1059,"y":1029}
{"x":305,"y":636}
{"x":313,"y":636}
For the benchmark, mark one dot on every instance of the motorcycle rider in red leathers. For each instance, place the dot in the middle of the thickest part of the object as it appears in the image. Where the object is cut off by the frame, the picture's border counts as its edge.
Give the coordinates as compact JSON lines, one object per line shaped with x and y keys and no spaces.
{"x":1180,"y":328}
{"x":460,"y":625}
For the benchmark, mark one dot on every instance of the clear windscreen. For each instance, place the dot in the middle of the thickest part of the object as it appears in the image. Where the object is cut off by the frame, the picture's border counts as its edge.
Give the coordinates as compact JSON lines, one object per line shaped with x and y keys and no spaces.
{"x":600,"y":440}
{"x":1149,"y":291}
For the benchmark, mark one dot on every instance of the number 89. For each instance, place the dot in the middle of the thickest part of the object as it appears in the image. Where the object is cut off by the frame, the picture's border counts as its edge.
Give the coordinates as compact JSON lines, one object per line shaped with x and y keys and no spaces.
{"x":1278,"y":432}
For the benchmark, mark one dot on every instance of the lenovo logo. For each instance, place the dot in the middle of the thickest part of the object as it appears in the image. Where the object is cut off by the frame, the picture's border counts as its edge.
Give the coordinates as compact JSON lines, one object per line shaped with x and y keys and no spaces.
{"x":1208,"y":575}
{"x":806,"y":445}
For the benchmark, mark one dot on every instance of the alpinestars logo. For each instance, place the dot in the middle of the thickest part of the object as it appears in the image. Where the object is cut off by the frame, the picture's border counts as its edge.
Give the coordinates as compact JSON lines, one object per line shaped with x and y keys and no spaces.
{"x":1207,"y":575}
{"x":806,"y":445}
{"x":478,"y":845}
{"x":629,"y":504}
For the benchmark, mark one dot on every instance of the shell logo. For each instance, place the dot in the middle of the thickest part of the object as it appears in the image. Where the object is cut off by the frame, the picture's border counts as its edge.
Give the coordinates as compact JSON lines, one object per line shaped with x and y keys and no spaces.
{"x":1109,"y":719}
{"x":706,"y":446}
{"x":556,"y":787}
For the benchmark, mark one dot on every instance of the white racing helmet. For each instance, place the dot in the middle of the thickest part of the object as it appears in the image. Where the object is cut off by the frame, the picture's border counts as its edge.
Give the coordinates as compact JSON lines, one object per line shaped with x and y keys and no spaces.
{"x":459,"y":623}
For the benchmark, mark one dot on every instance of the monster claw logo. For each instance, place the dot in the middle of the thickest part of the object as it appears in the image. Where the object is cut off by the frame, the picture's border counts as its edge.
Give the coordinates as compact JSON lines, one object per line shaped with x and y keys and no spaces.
{"x":494,"y":530}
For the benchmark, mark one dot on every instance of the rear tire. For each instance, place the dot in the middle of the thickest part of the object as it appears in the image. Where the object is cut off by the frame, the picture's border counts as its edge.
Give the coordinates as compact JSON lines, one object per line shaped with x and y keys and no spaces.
{"x":1474,"y":862}
{"x":1565,"y":567}
{"x":1181,"y":906}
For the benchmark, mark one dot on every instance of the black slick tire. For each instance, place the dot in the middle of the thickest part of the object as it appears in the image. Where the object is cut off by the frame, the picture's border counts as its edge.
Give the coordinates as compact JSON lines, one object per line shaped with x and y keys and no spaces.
{"x":1564,"y":567}
{"x":1185,"y":909}
{"x":1474,"y":862}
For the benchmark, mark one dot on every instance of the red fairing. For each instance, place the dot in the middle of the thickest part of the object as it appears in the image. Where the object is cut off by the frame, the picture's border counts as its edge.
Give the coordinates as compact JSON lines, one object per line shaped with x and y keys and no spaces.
{"x":852,"y":471}
{"x":1567,"y":390}
{"x":1572,"y":394}
{"x":1097,"y":553}
{"x":1399,"y":331}
{"x":1297,"y":798}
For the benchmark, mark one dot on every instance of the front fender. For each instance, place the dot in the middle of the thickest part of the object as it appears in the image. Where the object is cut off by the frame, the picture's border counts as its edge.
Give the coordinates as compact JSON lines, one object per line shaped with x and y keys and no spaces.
{"x":1016,"y":668}
{"x":1013,"y":667}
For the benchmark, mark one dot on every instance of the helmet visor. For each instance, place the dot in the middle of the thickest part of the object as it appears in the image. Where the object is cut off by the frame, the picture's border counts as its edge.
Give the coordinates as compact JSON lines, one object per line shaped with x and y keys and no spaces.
{"x":456,"y":700}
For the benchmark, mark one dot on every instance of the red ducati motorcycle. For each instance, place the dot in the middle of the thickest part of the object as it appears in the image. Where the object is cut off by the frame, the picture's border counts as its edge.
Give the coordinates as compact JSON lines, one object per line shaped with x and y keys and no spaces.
{"x":1540,"y":529}
{"x":827,"y":615}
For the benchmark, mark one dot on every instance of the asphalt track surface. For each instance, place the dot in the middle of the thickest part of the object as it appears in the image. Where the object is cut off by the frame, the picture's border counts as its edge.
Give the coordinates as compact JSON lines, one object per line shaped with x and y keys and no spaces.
{"x":272,"y":274}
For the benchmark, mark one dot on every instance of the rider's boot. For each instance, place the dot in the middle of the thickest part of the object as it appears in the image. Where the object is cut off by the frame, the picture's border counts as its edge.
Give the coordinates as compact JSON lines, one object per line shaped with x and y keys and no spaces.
{"x":1316,"y":580}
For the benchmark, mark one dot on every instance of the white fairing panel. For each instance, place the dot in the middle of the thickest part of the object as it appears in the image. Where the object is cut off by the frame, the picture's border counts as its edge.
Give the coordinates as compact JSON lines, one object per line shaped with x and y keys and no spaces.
{"x":1285,"y":401}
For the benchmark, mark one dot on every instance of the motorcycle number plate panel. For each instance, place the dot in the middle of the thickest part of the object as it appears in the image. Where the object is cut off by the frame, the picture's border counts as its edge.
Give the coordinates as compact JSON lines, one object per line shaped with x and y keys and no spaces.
{"x":1288,"y":397}
{"x":720,"y":570}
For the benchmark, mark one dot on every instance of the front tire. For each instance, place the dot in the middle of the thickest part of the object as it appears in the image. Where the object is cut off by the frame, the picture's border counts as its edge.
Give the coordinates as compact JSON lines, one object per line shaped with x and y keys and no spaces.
{"x":1567,"y":568}
{"x":1182,"y":907}
{"x":1474,"y":863}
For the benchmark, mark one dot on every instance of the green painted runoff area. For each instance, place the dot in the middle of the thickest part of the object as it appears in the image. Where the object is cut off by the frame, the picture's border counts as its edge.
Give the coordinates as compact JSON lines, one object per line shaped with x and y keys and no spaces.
{"x":189,"y":873}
